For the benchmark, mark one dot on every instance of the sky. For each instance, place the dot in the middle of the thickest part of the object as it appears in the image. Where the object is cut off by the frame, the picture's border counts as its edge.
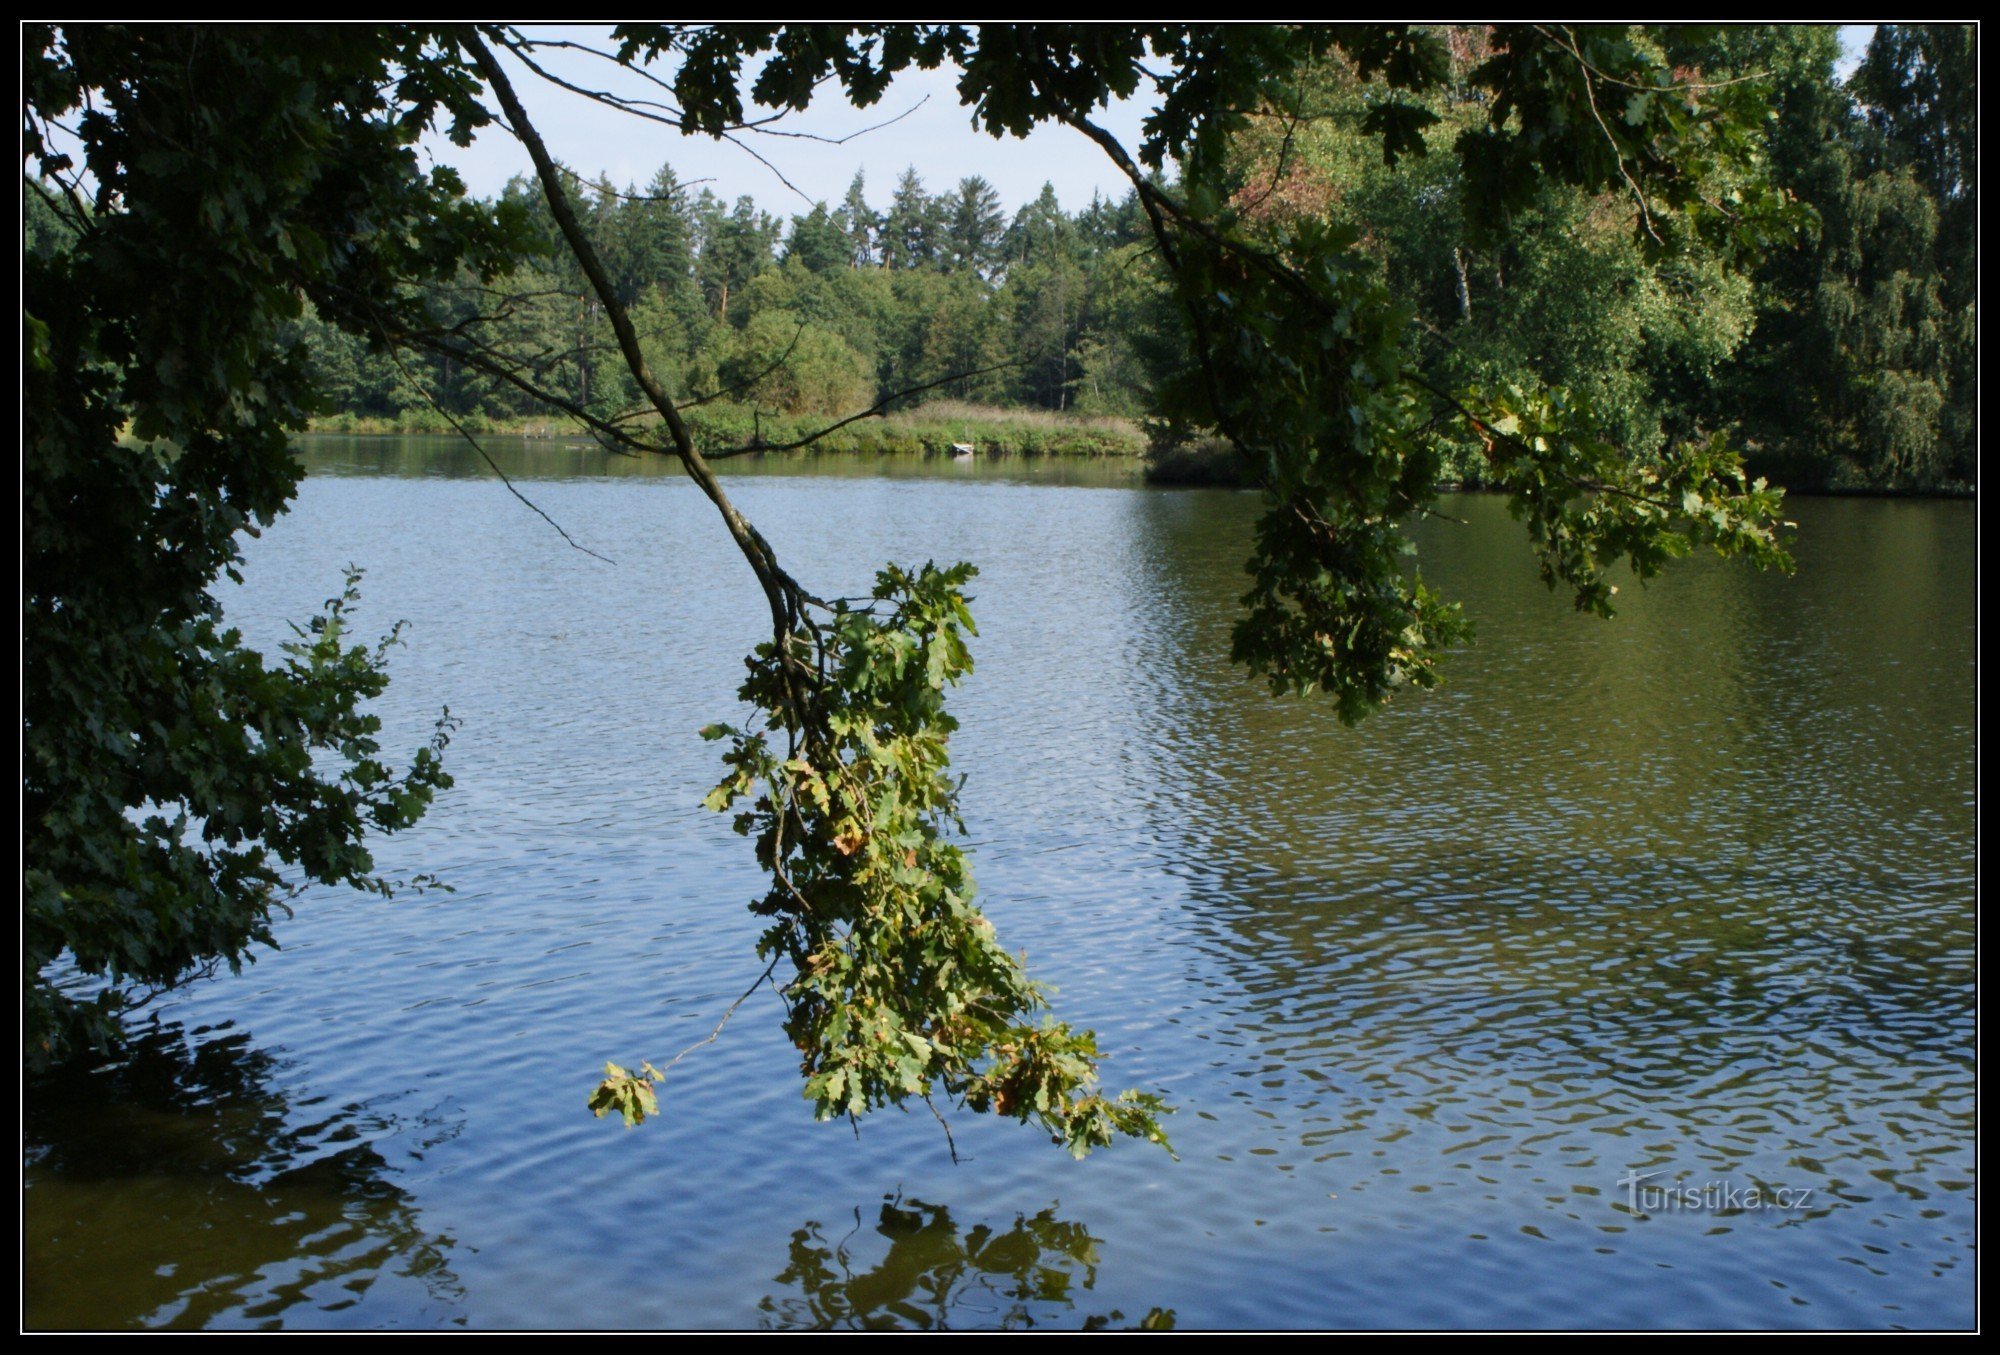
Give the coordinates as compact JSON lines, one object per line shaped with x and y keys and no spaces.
{"x":934,"y":135}
{"x":1854,"y":39}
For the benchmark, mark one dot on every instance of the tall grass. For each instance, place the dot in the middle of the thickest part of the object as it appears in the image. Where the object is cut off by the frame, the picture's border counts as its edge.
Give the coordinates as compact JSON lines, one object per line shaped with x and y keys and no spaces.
{"x":930,"y":429}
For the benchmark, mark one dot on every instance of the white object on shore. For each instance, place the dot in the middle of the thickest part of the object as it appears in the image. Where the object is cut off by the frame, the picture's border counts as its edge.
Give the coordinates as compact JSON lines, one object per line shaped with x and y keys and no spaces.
{"x":961,"y":451}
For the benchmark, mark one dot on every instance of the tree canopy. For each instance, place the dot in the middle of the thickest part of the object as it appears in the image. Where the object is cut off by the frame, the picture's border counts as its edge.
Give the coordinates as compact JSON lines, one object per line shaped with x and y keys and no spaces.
{"x":214,"y":183}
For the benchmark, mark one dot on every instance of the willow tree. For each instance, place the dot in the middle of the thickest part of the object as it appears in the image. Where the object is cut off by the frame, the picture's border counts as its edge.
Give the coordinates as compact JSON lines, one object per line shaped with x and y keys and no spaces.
{"x":230,"y":175}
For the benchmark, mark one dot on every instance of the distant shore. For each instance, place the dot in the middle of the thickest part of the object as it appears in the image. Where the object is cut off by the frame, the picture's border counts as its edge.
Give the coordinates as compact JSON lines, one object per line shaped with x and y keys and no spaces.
{"x":938,"y":428}
{"x":933,"y":429}
{"x":1216,"y":464}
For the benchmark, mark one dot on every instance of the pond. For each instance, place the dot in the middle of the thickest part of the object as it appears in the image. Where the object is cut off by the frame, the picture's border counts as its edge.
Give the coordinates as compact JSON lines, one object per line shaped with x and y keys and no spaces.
{"x":1681,"y":903}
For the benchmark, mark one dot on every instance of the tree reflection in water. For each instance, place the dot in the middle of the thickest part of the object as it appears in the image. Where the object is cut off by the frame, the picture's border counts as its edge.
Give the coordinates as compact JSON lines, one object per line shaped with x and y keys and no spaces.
{"x":931,"y":1276}
{"x":261,"y":1209}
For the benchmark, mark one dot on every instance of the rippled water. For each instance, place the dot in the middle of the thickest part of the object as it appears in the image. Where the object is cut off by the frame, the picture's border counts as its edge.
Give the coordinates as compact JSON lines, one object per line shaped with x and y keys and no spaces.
{"x":1689,"y":893}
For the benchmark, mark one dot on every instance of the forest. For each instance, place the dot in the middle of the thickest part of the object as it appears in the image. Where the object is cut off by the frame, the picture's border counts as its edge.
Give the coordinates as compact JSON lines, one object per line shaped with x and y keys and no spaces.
{"x":1843,"y":360}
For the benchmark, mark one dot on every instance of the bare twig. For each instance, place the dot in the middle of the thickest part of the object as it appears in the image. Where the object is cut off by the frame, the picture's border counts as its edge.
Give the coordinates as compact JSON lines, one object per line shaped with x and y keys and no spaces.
{"x":485,"y":456}
{"x":629,"y":197}
{"x":670,"y":115}
{"x":950,"y":1143}
{"x":520,"y":42}
{"x":730,"y":1011}
{"x":1590,"y":97}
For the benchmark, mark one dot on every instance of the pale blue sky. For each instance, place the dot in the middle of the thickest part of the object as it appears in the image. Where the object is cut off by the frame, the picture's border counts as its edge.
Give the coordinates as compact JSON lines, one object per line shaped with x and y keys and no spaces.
{"x":1854,"y":40}
{"x":936,"y":136}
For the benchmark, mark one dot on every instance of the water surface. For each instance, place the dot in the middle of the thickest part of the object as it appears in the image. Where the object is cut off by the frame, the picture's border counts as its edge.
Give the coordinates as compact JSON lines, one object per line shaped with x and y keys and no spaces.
{"x":1688,"y":893}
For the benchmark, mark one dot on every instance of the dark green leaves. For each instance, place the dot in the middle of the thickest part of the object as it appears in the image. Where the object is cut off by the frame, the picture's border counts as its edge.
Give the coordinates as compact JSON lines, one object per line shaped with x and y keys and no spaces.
{"x":187,"y":806}
{"x":1609,"y":107}
{"x":1405,"y":56}
{"x":1400,"y":126}
{"x":177,"y":786}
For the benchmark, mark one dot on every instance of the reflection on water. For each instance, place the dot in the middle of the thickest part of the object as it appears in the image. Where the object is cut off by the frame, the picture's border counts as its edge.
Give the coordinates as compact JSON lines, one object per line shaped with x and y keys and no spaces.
{"x":176,"y":1189}
{"x":914,"y":1268}
{"x":1691,"y":897}
{"x":1688,"y":893}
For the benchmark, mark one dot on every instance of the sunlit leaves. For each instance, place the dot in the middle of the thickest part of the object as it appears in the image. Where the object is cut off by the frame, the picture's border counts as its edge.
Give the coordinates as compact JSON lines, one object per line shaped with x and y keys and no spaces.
{"x":900,"y":988}
{"x":632,"y":1095}
{"x":1304,"y":359}
{"x":1588,"y":504}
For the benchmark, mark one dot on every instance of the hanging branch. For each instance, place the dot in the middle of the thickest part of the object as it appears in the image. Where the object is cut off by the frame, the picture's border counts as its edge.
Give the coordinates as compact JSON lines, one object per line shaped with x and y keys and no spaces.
{"x":902,"y":987}
{"x":609,"y":430}
{"x":669,"y":115}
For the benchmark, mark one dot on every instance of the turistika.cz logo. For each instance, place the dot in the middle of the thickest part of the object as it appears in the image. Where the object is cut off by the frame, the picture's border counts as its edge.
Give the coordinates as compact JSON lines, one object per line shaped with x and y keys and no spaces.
{"x":1645,"y":1196}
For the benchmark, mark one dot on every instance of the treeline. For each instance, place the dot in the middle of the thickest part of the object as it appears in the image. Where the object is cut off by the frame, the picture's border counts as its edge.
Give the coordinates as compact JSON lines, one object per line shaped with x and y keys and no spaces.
{"x":1843,"y":359}
{"x":817,"y":315}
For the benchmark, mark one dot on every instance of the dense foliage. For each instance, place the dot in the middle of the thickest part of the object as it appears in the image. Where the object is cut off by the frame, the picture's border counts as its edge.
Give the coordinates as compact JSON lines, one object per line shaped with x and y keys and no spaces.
{"x":1860,"y":371}
{"x":175,"y":785}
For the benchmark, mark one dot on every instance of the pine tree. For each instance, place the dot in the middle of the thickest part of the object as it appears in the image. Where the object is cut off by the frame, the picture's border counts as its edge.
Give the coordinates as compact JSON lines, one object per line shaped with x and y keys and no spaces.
{"x":974,"y":227}
{"x":858,"y":222}
{"x":1041,"y":231}
{"x":911,"y":226}
{"x":817,"y":242}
